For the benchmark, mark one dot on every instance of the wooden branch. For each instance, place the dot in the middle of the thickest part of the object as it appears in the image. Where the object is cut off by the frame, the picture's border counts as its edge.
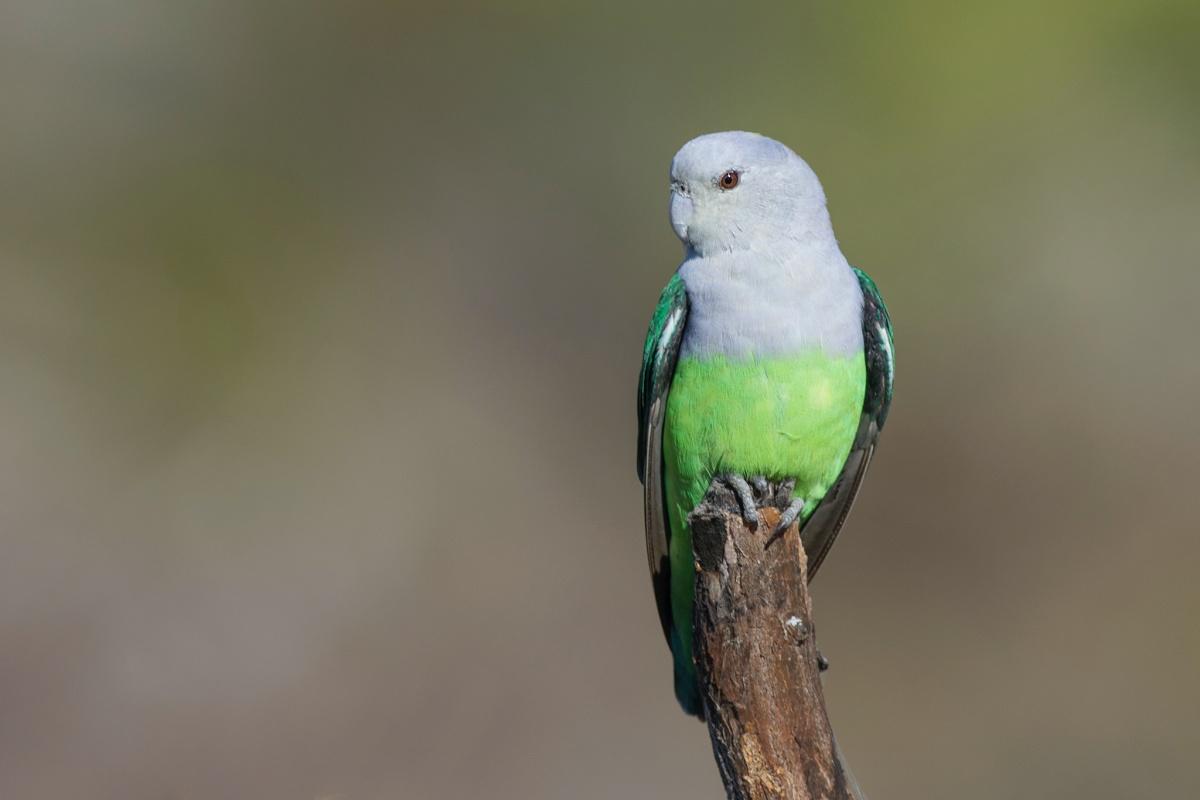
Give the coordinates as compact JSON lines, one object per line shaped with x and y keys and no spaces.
{"x":757,"y":658}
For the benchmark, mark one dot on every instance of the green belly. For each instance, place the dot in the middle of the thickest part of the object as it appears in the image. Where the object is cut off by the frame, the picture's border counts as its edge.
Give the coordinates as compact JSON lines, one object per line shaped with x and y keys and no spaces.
{"x":790,"y":417}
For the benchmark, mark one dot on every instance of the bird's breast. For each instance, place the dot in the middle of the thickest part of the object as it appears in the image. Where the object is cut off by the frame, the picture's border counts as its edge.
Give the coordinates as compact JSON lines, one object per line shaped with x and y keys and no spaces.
{"x":742,"y":307}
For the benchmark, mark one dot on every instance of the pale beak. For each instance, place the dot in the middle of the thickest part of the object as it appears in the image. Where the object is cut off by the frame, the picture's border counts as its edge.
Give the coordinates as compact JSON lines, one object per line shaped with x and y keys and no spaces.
{"x":681,"y":214}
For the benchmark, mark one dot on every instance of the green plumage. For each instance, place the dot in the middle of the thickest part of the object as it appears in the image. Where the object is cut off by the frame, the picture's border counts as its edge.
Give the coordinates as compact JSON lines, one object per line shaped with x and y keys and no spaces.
{"x":810,"y":416}
{"x":781,"y":418}
{"x":658,"y":359}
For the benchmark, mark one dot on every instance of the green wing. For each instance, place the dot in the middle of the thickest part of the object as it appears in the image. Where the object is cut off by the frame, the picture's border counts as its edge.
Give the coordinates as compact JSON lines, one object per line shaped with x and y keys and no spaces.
{"x":658,"y":367}
{"x":822,"y":527}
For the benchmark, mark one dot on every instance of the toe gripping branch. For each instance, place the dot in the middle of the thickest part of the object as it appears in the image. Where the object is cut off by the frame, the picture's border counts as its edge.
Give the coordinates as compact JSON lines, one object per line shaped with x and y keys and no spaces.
{"x":758,"y":492}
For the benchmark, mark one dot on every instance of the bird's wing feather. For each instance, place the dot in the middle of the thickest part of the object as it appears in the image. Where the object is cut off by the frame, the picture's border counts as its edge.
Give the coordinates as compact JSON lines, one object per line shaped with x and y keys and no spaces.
{"x":658,"y":367}
{"x":822,"y":527}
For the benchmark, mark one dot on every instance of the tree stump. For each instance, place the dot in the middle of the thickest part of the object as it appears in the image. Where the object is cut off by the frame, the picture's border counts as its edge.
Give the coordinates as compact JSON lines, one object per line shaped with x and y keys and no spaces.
{"x":757,"y":657}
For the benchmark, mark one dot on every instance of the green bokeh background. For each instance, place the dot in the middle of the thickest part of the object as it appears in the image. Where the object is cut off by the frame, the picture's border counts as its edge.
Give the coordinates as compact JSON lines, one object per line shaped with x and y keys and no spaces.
{"x":318,"y":335}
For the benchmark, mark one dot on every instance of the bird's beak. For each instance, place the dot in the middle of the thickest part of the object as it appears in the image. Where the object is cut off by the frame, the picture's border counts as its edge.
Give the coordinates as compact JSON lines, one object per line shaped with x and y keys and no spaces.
{"x":681,"y":214}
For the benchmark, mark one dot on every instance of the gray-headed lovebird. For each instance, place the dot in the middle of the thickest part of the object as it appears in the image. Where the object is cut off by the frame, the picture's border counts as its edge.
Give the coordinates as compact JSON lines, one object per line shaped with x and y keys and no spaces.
{"x":768,"y":359}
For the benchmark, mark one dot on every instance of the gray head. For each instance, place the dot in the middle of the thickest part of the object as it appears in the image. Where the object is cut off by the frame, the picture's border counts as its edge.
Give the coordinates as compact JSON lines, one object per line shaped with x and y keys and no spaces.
{"x":738,"y":191}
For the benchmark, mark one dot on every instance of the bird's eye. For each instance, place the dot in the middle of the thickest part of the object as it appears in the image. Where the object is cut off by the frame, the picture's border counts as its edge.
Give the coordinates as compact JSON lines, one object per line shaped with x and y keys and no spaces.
{"x":729,"y":180}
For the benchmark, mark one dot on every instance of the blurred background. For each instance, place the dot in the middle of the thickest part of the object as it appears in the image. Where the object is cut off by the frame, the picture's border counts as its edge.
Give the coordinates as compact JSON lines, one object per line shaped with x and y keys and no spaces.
{"x":319,"y":330}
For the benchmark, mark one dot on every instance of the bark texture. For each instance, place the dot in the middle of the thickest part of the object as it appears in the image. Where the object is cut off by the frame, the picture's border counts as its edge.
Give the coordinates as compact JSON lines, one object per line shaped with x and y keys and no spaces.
{"x":757,"y":658}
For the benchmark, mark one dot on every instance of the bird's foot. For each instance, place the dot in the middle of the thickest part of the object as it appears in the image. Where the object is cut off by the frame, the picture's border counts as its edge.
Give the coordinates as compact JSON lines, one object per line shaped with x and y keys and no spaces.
{"x":761,"y":485}
{"x":756,"y":492}
{"x":791,"y":511}
{"x":745,"y":496}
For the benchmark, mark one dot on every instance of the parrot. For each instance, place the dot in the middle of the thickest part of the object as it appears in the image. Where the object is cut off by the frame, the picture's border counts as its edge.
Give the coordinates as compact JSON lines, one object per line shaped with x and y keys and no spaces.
{"x":768,"y":358}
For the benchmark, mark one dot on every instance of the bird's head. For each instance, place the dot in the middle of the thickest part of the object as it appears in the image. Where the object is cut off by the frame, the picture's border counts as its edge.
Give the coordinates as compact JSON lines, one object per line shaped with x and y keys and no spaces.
{"x":738,"y":191}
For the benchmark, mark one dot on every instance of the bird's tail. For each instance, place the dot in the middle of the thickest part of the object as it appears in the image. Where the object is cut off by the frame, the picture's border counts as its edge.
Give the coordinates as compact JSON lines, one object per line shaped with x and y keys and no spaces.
{"x":687,"y":682}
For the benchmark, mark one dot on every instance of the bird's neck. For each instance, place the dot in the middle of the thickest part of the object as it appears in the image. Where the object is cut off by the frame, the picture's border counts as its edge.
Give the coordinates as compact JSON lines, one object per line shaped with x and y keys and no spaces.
{"x":774,"y":301}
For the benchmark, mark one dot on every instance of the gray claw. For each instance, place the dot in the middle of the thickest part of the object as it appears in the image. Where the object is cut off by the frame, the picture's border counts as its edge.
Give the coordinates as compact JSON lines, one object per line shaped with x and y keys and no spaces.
{"x":745,"y":499}
{"x":788,"y":516}
{"x":761,"y":485}
{"x":795,"y":506}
